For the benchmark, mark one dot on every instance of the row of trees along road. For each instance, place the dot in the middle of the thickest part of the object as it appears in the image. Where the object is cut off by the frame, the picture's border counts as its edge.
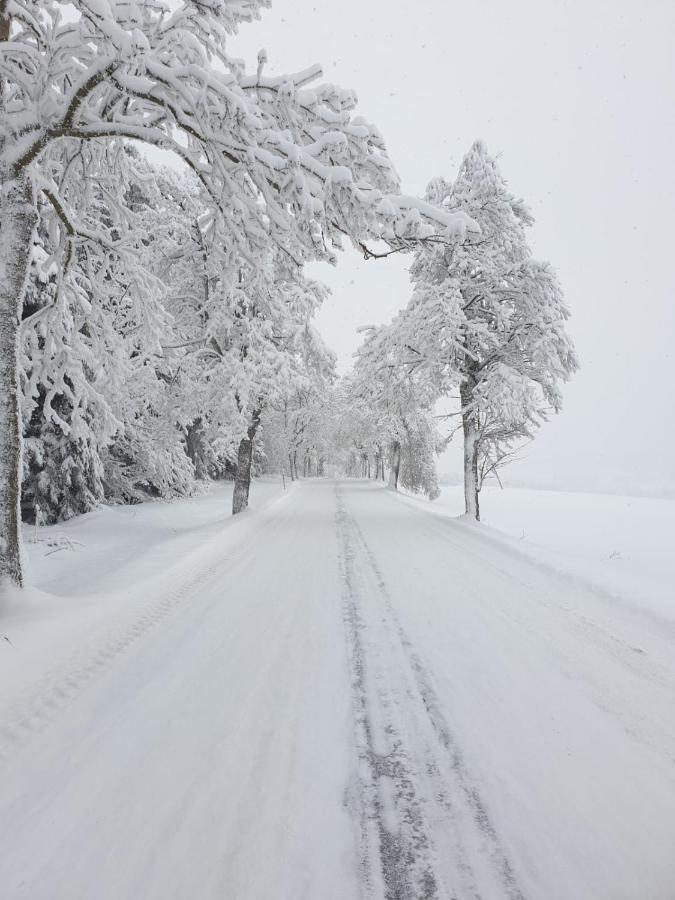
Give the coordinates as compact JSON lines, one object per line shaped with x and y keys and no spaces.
{"x":150,"y":321}
{"x":484,"y":327}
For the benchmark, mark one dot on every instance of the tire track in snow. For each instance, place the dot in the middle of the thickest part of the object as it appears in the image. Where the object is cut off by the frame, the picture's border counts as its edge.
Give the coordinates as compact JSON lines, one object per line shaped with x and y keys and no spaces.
{"x":425,"y":832}
{"x":392,"y":863}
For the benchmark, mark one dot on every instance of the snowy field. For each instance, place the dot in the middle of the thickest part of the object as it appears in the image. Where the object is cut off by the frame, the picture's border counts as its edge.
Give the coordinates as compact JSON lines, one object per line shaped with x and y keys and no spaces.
{"x":340,"y":694}
{"x":618,"y":545}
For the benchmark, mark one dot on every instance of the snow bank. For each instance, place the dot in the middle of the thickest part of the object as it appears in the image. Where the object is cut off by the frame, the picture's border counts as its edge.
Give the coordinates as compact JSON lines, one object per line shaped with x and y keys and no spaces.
{"x":116,"y":546}
{"x":114,"y":565}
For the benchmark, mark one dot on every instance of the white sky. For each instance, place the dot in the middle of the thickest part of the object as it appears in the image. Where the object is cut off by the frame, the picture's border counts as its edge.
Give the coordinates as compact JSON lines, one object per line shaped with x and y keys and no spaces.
{"x":578,"y":97}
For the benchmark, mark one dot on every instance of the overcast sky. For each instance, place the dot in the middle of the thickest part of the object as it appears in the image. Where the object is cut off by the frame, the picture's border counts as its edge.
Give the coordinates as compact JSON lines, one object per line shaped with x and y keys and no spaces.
{"x":578,"y":98}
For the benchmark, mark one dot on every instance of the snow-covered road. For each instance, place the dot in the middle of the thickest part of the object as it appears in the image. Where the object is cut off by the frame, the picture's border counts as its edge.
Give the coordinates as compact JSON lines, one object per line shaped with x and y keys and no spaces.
{"x":345,"y":696}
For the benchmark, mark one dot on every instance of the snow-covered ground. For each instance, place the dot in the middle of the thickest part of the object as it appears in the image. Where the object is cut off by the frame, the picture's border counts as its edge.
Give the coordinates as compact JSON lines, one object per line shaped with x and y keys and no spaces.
{"x":118,"y":545}
{"x":100,"y":573}
{"x":621,"y":545}
{"x":341,"y":694}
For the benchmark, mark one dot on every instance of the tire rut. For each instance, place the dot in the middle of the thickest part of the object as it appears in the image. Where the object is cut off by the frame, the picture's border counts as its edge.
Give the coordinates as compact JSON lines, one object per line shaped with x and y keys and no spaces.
{"x":424,"y":830}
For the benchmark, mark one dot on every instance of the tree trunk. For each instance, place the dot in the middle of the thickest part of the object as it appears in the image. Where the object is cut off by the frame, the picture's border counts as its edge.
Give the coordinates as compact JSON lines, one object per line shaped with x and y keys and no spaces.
{"x":379,"y":469}
{"x":242,"y":483}
{"x":195,"y":447}
{"x":290,"y":466}
{"x":395,"y":464}
{"x":17,"y":221}
{"x":470,"y":453}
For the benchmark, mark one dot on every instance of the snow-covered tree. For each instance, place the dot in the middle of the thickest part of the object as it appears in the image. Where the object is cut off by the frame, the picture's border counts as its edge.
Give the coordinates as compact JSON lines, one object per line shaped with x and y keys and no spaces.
{"x":294,"y":164}
{"x":96,"y":388}
{"x":488,"y":318}
{"x":399,"y":403}
{"x":270,"y":335}
{"x":298,"y":423}
{"x":356,"y":434}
